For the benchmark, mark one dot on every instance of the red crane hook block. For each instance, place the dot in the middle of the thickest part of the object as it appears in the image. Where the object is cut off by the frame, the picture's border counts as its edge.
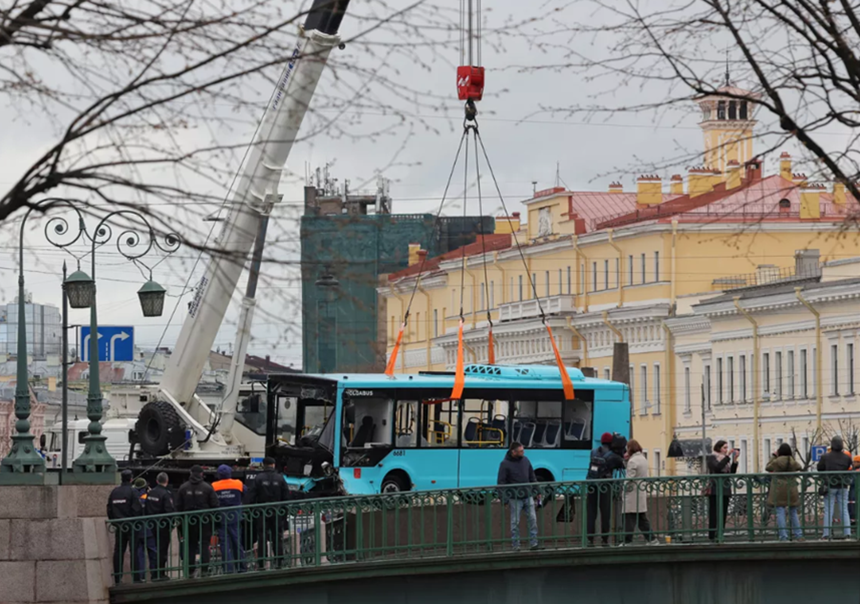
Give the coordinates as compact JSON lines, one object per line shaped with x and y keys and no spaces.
{"x":470,"y":83}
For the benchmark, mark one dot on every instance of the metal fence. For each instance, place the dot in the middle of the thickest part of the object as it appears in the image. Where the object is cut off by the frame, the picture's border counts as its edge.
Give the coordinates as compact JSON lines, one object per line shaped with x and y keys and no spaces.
{"x":462,"y":522}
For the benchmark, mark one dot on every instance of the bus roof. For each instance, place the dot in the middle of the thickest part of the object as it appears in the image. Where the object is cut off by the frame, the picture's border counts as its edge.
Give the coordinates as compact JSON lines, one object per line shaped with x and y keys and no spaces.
{"x":511,"y":376}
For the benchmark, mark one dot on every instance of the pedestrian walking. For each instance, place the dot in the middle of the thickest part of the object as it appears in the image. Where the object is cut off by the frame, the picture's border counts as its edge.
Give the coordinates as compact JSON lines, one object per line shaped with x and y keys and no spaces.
{"x":604,"y":463}
{"x":268,"y":486}
{"x":159,"y":501}
{"x":123,"y":502}
{"x":197,"y":495}
{"x":784,"y":495}
{"x":144,"y":546}
{"x":636,"y":495}
{"x":835,"y":488}
{"x":230,"y":492}
{"x":721,"y":462}
{"x":516,"y":469}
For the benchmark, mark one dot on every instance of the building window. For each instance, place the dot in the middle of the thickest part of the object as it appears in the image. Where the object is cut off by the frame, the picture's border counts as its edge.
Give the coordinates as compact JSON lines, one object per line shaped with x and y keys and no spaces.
{"x":643,"y":389}
{"x":733,"y":110}
{"x":765,"y":372}
{"x":606,"y":274}
{"x":533,"y":288}
{"x":435,"y":322}
{"x":559,"y":282}
{"x":743,"y":106}
{"x":582,"y":278}
{"x":658,"y":462}
{"x":657,"y":394}
{"x":606,"y":373}
{"x":767,"y":452}
{"x":744,"y":457}
{"x":731,"y":380}
{"x":594,"y":276}
{"x":618,"y":272}
{"x":849,"y":353}
{"x":721,"y":110}
{"x":706,"y":383}
{"x":815,"y":384}
{"x":632,"y":374}
{"x":568,"y":281}
{"x":630,"y":270}
{"x":481,"y":307}
{"x":804,"y":385}
{"x":743,"y":367}
{"x":642,"y":262}
{"x":778,"y":385}
{"x":720,"y":397}
{"x":492,"y":295}
{"x":656,"y":266}
{"x":521,"y":287}
{"x":791,"y":371}
{"x":834,"y":369}
{"x":687,"y":400}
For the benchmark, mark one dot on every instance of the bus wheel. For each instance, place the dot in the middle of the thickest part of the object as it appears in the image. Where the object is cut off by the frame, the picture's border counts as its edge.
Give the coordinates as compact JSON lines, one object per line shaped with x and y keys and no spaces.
{"x":395,"y":482}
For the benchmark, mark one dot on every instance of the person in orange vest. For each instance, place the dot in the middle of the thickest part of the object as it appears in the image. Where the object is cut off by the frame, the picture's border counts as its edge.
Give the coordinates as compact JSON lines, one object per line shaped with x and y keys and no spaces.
{"x":229,"y":492}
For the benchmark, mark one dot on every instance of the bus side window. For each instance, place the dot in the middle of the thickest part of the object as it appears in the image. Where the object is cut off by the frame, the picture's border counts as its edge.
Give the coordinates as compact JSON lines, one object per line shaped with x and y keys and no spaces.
{"x":406,"y":424}
{"x":440,"y":424}
{"x":578,"y":419}
{"x":485,"y":423}
{"x":537,"y":424}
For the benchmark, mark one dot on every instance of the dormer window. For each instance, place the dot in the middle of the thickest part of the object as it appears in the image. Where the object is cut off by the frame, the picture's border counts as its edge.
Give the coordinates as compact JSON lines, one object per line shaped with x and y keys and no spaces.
{"x":784,"y":205}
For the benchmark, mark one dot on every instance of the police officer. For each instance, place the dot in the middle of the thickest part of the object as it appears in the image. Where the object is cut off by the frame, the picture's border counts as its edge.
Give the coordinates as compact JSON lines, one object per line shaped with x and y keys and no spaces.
{"x":144,"y":546}
{"x":196,"y":495}
{"x":229,"y":492}
{"x":123,"y":502}
{"x":159,"y":500}
{"x":269,"y":486}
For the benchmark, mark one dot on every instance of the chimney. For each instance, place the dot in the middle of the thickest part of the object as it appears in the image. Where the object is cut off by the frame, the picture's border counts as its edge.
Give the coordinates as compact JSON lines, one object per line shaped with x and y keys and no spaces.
{"x":810,"y":206}
{"x":616,"y":187}
{"x":799,"y":178}
{"x":807,"y":263}
{"x":753,"y":170}
{"x":507,"y":224}
{"x":422,"y":255}
{"x":676,"y":184}
{"x":649,"y":190}
{"x":733,"y":168}
{"x":413,"y":253}
{"x":839,"y":193}
{"x":698,"y":181}
{"x":785,"y":165}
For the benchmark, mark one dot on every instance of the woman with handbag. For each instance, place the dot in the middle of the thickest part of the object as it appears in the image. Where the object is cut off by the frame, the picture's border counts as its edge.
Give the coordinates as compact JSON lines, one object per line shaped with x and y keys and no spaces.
{"x":720,"y":463}
{"x":784,"y":494}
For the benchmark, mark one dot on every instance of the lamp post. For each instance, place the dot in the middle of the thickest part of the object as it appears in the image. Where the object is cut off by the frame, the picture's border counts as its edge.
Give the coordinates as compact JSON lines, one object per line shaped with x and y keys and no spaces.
{"x":24,"y":465}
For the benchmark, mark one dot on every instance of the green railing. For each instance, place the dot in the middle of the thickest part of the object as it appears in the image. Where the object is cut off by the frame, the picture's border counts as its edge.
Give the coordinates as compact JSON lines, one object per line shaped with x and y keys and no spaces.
{"x":462,"y":522}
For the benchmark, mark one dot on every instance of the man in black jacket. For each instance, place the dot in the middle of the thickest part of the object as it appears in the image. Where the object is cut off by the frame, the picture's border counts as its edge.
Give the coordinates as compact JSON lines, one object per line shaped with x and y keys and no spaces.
{"x":123,"y":502}
{"x":603,"y":464}
{"x":268,"y":486}
{"x":160,"y":501}
{"x":516,"y":469}
{"x":836,"y":460}
{"x":197,"y":495}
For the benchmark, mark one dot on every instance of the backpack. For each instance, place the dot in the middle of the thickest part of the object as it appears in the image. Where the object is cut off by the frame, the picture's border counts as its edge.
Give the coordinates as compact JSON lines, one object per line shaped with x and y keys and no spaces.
{"x":597,"y":467}
{"x":619,"y":444}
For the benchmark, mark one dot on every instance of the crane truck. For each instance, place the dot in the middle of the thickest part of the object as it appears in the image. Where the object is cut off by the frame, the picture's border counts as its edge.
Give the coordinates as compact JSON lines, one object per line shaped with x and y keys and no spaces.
{"x":175,"y":428}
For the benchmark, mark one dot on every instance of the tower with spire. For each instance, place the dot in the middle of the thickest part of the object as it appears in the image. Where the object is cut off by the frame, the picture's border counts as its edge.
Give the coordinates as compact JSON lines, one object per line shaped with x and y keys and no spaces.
{"x":727,"y":124}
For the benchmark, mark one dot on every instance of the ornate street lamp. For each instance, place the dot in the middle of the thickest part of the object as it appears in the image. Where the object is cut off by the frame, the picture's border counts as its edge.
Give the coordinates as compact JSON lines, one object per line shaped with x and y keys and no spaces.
{"x":24,"y":465}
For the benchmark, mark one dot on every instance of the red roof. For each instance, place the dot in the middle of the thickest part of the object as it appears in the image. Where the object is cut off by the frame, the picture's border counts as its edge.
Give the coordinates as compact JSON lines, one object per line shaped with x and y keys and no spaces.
{"x":598,"y":207}
{"x":754,"y":200}
{"x":491,"y":243}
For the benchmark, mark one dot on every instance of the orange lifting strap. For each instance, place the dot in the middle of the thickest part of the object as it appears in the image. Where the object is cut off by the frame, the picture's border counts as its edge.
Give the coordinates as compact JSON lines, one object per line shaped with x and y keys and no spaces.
{"x":460,"y":373}
{"x":392,"y":362}
{"x":565,"y":378}
{"x":491,"y":352}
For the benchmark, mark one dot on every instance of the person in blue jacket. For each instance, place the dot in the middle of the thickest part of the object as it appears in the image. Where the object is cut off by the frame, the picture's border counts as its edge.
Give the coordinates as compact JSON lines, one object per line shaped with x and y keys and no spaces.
{"x":229,"y":492}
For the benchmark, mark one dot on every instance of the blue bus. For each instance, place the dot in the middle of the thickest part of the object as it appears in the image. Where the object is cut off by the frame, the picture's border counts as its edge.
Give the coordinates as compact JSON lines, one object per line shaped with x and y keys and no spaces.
{"x":385,"y":434}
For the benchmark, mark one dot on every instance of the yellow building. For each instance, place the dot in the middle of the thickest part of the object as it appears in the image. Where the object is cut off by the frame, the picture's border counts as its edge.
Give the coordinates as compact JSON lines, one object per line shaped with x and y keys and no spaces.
{"x":615,"y":266}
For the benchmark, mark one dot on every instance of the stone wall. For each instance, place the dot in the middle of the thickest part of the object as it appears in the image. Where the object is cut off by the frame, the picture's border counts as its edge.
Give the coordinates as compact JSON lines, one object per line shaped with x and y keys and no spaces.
{"x":54,"y":546}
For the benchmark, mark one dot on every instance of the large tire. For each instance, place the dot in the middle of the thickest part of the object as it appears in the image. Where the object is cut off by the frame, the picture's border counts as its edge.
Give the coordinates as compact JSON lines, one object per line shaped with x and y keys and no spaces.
{"x":159,"y":429}
{"x":395,"y":482}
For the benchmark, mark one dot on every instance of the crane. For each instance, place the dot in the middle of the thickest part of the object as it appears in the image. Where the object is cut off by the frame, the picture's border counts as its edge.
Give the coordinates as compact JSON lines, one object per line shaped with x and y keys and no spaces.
{"x":174,"y":420}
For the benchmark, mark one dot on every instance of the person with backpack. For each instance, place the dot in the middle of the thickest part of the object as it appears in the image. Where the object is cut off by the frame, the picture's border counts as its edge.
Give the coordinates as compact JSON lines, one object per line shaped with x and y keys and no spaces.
{"x":516,"y":469}
{"x":604,"y":462}
{"x":783,"y":494}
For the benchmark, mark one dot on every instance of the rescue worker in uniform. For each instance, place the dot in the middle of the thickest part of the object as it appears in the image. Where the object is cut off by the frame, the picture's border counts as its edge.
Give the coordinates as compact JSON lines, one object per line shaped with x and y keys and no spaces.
{"x":194,"y":495}
{"x":269,"y":486}
{"x":144,"y":546}
{"x":123,"y":502}
{"x":229,"y":492}
{"x":159,"y":500}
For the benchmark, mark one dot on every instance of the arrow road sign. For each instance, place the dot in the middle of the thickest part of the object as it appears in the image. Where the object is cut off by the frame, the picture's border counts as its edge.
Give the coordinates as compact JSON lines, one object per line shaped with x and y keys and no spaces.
{"x":116,"y":343}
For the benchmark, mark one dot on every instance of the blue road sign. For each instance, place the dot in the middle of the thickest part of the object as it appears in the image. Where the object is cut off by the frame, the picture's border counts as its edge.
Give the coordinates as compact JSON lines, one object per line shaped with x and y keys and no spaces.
{"x":817,"y":452}
{"x":115,"y":343}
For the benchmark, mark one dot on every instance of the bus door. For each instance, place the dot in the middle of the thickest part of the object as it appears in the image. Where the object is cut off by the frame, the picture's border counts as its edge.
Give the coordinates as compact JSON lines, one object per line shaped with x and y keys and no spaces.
{"x":434,"y":462}
{"x":484,"y":438}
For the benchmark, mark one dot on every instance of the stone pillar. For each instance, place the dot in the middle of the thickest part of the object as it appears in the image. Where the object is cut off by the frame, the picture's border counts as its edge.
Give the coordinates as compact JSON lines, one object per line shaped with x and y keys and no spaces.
{"x":54,"y":545}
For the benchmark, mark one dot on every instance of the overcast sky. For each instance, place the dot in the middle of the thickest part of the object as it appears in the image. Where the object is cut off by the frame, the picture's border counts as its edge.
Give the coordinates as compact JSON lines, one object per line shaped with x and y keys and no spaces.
{"x":524,"y":141}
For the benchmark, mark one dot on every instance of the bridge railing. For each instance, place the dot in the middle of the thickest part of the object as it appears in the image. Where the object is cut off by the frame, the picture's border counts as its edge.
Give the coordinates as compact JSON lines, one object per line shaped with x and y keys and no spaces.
{"x":460,"y":522}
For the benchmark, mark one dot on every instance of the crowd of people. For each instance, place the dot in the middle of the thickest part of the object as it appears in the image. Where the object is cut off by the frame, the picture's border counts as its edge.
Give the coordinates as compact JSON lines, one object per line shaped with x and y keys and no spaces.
{"x":148,"y":542}
{"x":627,"y":502}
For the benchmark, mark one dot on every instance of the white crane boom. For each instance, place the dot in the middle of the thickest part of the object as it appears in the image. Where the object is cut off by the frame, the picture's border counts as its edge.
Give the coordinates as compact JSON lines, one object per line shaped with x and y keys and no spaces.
{"x":249,"y":203}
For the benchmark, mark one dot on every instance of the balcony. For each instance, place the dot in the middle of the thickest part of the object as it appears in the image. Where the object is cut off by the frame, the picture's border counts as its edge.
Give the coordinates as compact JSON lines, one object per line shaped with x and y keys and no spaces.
{"x":528,"y":309}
